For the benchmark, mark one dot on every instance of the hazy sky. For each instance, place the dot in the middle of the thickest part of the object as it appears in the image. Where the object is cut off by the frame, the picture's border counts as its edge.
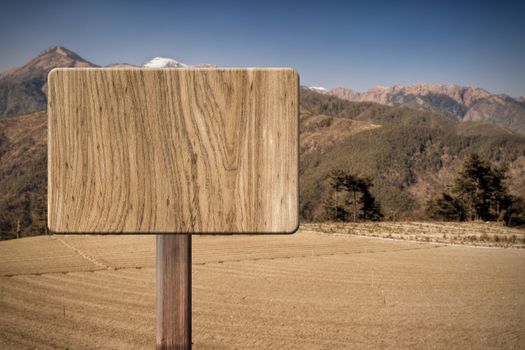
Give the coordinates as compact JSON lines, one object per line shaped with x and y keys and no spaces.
{"x":332,"y":43}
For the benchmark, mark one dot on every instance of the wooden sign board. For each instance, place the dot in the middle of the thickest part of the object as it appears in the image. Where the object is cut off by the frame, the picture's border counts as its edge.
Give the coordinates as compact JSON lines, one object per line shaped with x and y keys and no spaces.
{"x":173,"y":151}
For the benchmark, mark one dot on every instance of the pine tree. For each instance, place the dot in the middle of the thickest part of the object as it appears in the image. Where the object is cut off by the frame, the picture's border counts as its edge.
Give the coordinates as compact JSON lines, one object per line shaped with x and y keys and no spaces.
{"x":445,"y":207}
{"x":334,"y":205}
{"x":499,"y":194}
{"x":514,"y":213}
{"x":335,"y":211}
{"x":352,"y":184}
{"x":370,"y":208}
{"x":351,"y":191}
{"x":481,"y":189}
{"x":478,"y":193}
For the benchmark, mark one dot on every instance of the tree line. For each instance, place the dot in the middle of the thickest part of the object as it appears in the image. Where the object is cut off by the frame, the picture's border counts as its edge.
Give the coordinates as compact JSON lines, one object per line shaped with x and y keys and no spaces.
{"x":478,"y":192}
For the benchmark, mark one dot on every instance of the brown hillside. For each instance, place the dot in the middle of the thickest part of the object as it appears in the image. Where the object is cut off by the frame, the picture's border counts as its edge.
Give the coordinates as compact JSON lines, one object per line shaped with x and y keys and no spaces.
{"x":24,"y":89}
{"x":23,"y":175}
{"x":409,"y":155}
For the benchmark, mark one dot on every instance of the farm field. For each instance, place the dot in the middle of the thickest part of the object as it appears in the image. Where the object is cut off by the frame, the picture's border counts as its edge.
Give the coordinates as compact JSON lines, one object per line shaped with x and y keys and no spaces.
{"x":325,"y":287}
{"x":463,"y":233}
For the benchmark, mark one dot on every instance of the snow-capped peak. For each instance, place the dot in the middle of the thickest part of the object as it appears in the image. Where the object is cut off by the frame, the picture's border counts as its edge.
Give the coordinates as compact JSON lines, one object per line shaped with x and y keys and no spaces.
{"x":318,"y":89}
{"x":162,"y":62}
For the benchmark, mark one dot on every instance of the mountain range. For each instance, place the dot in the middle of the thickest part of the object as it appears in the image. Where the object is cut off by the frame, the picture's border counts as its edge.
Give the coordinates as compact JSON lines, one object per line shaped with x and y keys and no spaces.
{"x":456,"y":102}
{"x":24,"y":89}
{"x":409,"y":153}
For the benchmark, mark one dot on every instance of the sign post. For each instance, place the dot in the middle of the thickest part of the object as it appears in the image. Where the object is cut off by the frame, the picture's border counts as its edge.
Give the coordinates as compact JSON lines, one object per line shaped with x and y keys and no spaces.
{"x":173,"y":152}
{"x":174,"y":291}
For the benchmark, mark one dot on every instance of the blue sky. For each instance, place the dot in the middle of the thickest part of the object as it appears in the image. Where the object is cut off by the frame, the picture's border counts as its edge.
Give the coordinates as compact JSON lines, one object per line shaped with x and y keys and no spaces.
{"x":356,"y":44}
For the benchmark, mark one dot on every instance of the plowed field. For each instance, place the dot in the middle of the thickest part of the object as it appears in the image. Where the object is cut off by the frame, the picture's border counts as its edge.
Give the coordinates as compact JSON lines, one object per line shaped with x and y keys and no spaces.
{"x":310,"y":290}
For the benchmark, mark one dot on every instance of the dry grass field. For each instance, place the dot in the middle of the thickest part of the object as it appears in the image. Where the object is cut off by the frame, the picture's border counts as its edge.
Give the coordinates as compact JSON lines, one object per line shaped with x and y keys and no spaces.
{"x":310,"y":290}
{"x":481,"y":234}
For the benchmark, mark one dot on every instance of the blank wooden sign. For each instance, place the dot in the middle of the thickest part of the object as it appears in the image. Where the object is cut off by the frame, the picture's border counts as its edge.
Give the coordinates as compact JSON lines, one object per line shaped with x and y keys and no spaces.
{"x":173,"y":150}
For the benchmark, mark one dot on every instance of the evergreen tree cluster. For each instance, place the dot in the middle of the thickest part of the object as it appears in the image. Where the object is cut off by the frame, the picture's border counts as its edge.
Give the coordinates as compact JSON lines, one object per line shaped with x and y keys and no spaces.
{"x":478,"y":193}
{"x":351,"y":199}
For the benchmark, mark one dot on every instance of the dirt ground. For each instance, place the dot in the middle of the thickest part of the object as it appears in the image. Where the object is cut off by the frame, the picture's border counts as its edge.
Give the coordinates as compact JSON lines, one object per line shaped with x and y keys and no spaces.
{"x":310,"y":290}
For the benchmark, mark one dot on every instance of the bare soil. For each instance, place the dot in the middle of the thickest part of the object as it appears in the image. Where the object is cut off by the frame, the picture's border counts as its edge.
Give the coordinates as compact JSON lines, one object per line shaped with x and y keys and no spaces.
{"x":310,"y":290}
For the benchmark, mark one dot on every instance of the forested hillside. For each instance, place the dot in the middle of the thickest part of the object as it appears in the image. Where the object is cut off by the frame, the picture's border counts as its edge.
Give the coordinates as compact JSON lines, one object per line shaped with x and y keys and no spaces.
{"x":409,"y":154}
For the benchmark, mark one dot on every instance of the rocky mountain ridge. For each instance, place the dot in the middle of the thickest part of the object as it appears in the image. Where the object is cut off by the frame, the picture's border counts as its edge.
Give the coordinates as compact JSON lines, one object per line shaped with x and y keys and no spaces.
{"x":23,"y":89}
{"x":462,"y":103}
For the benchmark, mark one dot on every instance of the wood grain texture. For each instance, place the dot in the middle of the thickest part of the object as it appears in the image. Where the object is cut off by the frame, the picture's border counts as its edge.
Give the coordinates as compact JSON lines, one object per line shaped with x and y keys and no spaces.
{"x":174,"y":292}
{"x":173,"y":150}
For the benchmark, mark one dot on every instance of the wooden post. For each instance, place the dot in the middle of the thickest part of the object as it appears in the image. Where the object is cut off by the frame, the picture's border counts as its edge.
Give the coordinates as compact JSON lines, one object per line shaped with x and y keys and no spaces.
{"x":174,"y":292}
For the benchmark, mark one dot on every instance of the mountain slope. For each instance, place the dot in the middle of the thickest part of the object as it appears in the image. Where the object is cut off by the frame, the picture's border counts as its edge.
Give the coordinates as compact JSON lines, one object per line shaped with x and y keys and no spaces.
{"x":23,"y":175}
{"x":24,"y":89}
{"x":409,"y":154}
{"x":455,"y":102}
